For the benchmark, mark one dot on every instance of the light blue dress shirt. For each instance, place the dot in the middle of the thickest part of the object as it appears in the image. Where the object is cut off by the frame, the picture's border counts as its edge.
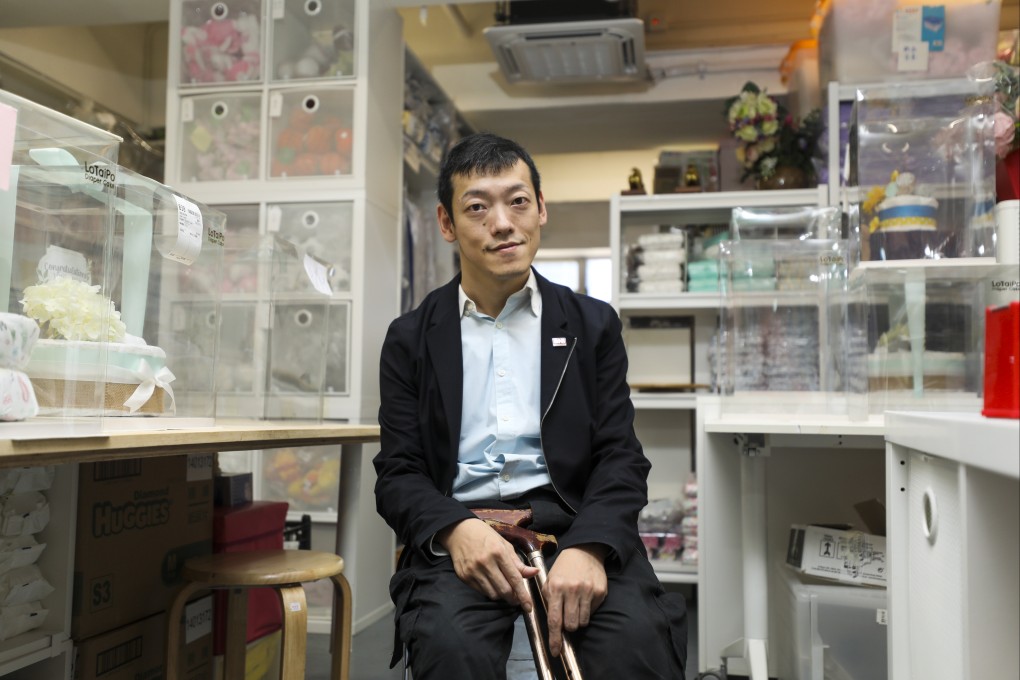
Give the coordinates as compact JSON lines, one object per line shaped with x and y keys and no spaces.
{"x":500,"y":437}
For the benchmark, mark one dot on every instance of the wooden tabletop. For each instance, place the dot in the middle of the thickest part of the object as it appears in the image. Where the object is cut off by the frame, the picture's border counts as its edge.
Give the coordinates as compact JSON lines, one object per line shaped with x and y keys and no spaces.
{"x":224,"y":436}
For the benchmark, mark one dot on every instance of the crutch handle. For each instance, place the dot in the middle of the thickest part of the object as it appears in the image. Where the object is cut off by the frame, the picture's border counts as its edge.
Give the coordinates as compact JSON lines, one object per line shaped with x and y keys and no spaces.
{"x":523,"y":540}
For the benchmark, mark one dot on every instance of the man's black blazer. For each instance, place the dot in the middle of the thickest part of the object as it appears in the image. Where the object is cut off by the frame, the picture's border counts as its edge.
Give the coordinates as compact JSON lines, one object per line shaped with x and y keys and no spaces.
{"x":594,"y":458}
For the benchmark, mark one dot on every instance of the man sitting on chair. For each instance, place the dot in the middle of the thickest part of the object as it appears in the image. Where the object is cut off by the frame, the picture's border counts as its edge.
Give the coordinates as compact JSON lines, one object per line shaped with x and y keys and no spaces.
{"x":505,"y":390}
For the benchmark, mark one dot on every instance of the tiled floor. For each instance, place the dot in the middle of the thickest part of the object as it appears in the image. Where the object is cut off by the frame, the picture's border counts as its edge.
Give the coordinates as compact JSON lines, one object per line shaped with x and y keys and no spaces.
{"x":372,"y":647}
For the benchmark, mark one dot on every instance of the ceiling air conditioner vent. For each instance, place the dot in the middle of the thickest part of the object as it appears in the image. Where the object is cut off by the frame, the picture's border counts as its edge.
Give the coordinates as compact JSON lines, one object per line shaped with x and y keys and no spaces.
{"x":578,"y":51}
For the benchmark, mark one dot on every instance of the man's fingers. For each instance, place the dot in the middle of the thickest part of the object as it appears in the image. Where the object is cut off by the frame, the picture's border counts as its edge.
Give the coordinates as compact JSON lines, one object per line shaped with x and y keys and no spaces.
{"x":554,"y":619}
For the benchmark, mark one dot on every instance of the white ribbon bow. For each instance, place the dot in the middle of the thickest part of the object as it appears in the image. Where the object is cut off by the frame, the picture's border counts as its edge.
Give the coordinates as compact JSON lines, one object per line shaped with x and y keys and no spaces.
{"x":149,"y":382}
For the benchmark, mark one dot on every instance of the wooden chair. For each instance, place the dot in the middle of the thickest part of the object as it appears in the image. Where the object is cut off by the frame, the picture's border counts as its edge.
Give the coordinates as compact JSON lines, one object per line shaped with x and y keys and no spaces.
{"x":284,"y":571}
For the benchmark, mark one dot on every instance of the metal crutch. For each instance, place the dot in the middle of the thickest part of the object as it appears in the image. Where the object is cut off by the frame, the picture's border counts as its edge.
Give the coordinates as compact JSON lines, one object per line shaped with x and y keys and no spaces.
{"x":531,"y":545}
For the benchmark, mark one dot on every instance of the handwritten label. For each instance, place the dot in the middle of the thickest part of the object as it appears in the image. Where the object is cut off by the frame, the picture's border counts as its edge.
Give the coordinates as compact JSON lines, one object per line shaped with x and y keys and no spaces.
{"x":8,"y":124}
{"x":189,"y":232}
{"x":318,"y":274}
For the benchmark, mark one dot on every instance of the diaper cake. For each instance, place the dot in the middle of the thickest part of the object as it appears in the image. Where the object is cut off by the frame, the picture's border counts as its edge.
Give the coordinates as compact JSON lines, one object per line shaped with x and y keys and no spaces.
{"x":85,"y":363}
{"x":904,"y":226}
{"x":18,"y":335}
{"x":897,"y":365}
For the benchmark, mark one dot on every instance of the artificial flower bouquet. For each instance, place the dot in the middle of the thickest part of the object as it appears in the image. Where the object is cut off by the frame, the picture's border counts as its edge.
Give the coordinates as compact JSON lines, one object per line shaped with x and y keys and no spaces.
{"x":769,"y":137}
{"x":68,"y":309}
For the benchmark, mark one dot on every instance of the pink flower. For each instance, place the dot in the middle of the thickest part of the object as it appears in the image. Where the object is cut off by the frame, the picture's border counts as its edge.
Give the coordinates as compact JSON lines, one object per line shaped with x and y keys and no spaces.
{"x":1005,"y":131}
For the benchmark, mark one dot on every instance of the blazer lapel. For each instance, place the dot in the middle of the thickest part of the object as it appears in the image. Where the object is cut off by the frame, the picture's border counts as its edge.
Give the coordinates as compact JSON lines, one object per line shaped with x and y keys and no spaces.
{"x":557,"y":342}
{"x":444,"y":345}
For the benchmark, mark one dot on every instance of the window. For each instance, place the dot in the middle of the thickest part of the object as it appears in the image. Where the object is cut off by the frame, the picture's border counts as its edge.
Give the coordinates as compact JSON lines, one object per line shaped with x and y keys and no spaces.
{"x":585,"y":270}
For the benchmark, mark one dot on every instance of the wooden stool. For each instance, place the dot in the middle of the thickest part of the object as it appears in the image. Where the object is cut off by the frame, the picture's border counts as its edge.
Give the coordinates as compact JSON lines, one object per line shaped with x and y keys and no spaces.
{"x":283,"y":570}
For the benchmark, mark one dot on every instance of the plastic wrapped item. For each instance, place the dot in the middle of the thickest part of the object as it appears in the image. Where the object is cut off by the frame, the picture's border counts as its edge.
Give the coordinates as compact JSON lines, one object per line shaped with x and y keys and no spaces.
{"x":23,"y":585}
{"x":23,"y":513}
{"x":221,"y":41}
{"x":18,"y":334}
{"x":220,"y":137}
{"x":25,"y":479}
{"x":17,"y":396}
{"x":660,"y":515}
{"x":657,"y":263}
{"x":922,"y":171}
{"x":19,"y":551}
{"x":310,"y":132}
{"x":21,"y":618}
{"x":865,"y":41}
{"x":312,"y":39}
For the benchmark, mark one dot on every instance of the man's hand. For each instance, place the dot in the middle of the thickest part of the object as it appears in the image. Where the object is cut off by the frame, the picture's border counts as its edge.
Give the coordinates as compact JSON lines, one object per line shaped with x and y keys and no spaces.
{"x":576,"y":587}
{"x":486,"y":562}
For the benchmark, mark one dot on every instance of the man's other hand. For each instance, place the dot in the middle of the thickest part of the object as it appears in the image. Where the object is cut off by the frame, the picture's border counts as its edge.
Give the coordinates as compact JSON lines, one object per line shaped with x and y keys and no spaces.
{"x":486,"y":562}
{"x":576,"y":587}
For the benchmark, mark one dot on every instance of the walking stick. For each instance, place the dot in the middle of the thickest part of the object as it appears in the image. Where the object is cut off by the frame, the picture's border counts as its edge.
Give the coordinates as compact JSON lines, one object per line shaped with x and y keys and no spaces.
{"x":531,"y":545}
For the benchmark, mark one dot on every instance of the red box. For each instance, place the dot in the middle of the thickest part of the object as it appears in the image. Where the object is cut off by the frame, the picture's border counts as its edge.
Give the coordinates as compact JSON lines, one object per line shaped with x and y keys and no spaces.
{"x":1002,"y":363}
{"x":255,"y":526}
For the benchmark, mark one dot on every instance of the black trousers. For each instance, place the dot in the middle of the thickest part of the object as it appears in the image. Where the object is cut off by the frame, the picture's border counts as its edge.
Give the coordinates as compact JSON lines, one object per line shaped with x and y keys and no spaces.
{"x":453,"y":632}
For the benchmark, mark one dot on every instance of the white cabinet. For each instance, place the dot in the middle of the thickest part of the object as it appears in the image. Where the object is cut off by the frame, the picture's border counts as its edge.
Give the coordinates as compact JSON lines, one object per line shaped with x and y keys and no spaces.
{"x":665,"y":420}
{"x":953,"y":499}
{"x":49,"y":645}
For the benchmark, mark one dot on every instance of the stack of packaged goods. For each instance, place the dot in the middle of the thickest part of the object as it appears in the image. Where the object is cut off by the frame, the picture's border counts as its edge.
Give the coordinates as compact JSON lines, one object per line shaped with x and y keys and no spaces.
{"x":18,"y":335}
{"x":703,"y":269}
{"x":657,"y":263}
{"x":659,"y":526}
{"x":24,"y":512}
{"x":689,"y":524}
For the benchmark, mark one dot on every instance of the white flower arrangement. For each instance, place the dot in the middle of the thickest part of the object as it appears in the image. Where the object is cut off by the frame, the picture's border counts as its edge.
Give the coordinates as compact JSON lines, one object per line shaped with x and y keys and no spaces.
{"x":68,"y":309}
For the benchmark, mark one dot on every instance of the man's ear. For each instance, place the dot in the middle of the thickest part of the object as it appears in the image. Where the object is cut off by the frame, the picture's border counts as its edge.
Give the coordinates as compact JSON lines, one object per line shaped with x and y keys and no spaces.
{"x":543,"y":216}
{"x":445,"y":224}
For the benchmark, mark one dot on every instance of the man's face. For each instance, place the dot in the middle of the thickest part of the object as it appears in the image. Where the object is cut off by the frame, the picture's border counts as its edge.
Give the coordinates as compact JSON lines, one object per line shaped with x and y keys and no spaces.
{"x":497,"y":223}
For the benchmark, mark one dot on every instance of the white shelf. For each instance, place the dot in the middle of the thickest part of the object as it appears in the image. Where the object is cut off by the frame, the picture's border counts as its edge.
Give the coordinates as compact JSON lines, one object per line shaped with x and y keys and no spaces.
{"x":946,"y":269}
{"x":991,"y":444}
{"x":795,"y":423}
{"x":682,"y":401}
{"x":720,"y":202}
{"x":674,"y":572}
{"x":651,"y":301}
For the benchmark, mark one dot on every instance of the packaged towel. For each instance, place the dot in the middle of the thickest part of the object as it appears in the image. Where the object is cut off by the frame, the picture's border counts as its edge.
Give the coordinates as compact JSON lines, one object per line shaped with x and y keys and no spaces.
{"x":18,"y":334}
{"x":21,"y":618}
{"x":20,"y":551}
{"x":23,"y":479}
{"x":17,"y":398}
{"x":23,"y":513}
{"x":24,"y":584}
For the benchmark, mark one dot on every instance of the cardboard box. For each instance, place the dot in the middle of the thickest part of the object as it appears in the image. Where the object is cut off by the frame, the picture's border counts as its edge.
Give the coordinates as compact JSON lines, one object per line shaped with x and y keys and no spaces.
{"x":851,"y":557}
{"x":261,"y":660}
{"x":139,"y":520}
{"x":136,"y":651}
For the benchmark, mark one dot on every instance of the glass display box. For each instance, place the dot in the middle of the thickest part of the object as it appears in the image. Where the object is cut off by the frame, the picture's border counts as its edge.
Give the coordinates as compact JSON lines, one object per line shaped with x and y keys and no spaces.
{"x":921,"y":341}
{"x":221,"y":42}
{"x":308,"y":349}
{"x":805,"y":222}
{"x":55,"y":229}
{"x":220,"y":137}
{"x":783,"y":320}
{"x":922,"y":171}
{"x":312,"y":39}
{"x":310,"y":132}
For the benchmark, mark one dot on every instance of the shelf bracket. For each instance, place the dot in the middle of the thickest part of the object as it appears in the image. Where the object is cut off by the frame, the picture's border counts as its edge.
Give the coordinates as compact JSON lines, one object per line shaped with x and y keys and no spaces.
{"x":752,"y":445}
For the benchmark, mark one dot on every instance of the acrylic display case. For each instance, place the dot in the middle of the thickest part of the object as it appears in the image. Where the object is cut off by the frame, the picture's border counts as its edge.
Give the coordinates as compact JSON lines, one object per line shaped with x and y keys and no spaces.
{"x":921,"y":341}
{"x":220,"y":137}
{"x":324,"y":231}
{"x":55,"y":229}
{"x":221,"y":41}
{"x":805,"y":222}
{"x":782,"y":323}
{"x":885,"y":40}
{"x":310,"y":132}
{"x":922,"y":171}
{"x":312,"y":39}
{"x":242,"y":256}
{"x":308,"y":350}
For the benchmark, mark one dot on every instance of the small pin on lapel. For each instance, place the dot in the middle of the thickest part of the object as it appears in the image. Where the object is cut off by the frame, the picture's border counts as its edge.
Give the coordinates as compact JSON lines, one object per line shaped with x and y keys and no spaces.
{"x":559,"y":342}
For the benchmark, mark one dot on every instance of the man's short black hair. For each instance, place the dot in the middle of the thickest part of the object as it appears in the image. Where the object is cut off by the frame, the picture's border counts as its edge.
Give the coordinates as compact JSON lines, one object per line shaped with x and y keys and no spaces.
{"x":483,"y":153}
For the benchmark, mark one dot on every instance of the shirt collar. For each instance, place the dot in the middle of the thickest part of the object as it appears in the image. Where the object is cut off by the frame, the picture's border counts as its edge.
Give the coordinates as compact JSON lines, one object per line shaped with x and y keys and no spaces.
{"x":467,"y":305}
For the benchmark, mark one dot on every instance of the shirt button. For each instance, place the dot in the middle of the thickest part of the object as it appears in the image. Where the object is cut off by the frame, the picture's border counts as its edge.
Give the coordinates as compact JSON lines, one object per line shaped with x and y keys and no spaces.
{"x":505,"y":477}
{"x":501,"y":372}
{"x":499,"y":325}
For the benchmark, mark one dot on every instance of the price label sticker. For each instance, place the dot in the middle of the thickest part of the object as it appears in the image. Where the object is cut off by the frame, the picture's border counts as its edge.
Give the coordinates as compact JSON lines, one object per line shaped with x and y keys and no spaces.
{"x":275,"y":105}
{"x":278,"y":9}
{"x":318,"y":274}
{"x":189,"y":232}
{"x":906,"y":27}
{"x":913,"y":56}
{"x":187,"y":110}
{"x":274,"y":217}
